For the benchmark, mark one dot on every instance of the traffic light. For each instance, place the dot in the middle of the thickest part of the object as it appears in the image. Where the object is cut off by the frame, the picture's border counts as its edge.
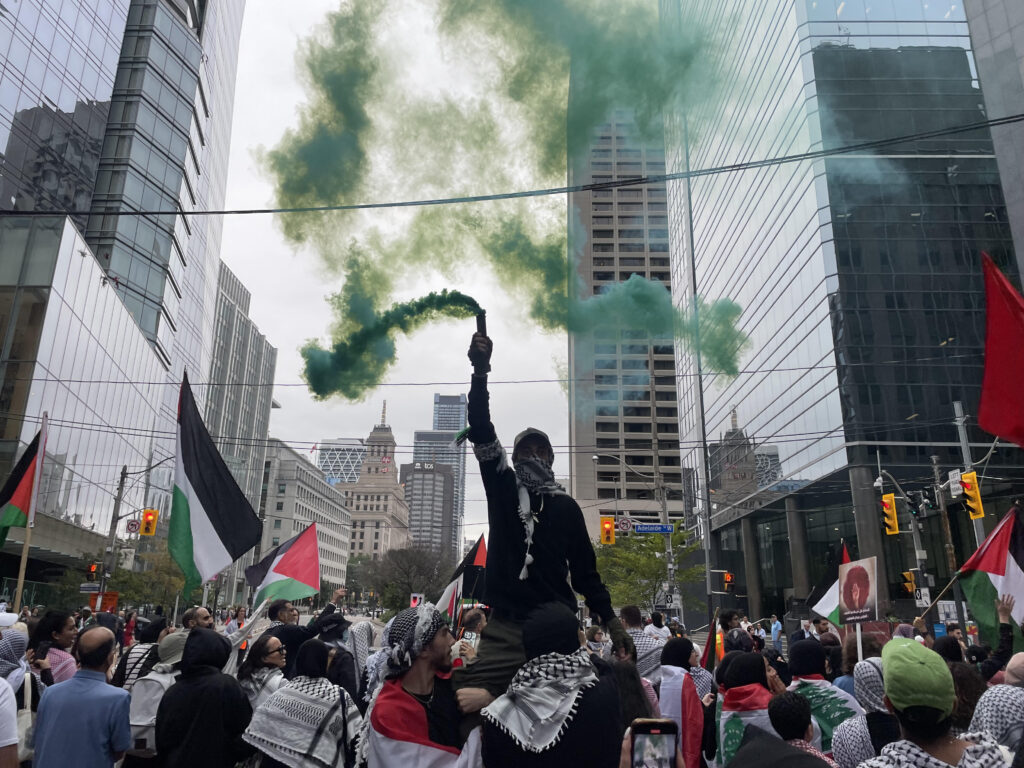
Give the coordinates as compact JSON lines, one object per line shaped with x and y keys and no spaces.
{"x":972,"y":495}
{"x":909,"y":582}
{"x":607,"y":530}
{"x":892,"y":523}
{"x":93,"y":570}
{"x":728,"y":581}
{"x":149,"y":517}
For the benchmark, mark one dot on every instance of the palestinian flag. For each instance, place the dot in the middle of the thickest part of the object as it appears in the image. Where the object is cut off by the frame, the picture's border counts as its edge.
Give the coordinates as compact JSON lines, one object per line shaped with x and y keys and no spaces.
{"x":290,"y":571}
{"x":1001,"y":409}
{"x":997,"y":568}
{"x":467,"y":582}
{"x":16,"y":495}
{"x":828,"y":604}
{"x":712,"y":647}
{"x":212,"y":523}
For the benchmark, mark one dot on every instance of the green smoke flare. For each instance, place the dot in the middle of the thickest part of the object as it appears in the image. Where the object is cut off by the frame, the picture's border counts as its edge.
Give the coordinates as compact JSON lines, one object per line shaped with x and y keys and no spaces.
{"x":356,"y":364}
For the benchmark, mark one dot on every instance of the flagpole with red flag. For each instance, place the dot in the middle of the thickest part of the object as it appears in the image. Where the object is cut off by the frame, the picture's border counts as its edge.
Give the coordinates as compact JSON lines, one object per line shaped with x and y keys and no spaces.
{"x":31,"y":513}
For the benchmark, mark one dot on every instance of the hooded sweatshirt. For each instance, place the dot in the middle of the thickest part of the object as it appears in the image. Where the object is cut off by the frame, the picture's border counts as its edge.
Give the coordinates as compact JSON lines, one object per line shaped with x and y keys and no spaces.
{"x":202,"y":716}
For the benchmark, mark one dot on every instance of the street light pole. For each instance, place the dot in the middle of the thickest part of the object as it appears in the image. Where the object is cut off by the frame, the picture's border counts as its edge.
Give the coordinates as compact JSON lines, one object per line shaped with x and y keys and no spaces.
{"x":112,"y":537}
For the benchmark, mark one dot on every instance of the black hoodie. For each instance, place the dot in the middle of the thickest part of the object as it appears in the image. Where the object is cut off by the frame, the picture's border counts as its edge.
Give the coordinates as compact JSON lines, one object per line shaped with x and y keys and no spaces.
{"x":202,"y":716}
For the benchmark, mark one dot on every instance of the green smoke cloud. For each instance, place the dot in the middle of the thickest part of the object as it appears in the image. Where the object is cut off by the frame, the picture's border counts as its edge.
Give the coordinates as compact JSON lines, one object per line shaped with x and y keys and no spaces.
{"x":501,"y":118}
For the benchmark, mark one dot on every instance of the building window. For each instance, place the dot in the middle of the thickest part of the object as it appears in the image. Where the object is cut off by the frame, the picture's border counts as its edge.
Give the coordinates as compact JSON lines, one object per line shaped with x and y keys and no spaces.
{"x":275,"y":541}
{"x":279,"y":506}
{"x":281,"y":487}
{"x":376,"y":545}
{"x":277,"y":525}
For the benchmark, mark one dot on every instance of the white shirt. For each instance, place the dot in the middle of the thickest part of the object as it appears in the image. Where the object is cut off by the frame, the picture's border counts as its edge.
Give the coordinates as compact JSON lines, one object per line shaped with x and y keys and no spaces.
{"x":662,"y":633}
{"x":8,"y":716}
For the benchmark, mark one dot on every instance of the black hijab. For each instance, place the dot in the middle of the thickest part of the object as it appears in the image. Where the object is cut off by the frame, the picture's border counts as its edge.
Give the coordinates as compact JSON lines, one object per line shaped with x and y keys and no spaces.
{"x":312,"y":659}
{"x":677,"y":652}
{"x":745,"y":669}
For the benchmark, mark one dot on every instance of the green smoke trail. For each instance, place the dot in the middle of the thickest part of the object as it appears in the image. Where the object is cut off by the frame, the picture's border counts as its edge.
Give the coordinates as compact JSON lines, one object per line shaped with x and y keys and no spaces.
{"x":356,"y":364}
{"x":369,"y":131}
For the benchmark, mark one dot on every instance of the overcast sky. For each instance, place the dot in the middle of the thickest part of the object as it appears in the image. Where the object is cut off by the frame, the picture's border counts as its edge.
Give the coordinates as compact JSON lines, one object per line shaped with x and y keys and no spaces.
{"x":288,"y":288}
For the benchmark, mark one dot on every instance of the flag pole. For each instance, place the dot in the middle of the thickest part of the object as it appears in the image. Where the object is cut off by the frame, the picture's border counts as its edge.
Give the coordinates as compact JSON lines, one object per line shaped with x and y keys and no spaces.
{"x":939,"y":596}
{"x":41,"y":452}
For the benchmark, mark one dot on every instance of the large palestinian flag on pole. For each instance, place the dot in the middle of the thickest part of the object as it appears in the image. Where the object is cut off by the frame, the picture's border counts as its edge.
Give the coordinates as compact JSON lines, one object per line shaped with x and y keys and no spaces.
{"x":828,"y":604}
{"x":212,"y":523}
{"x":997,"y":568}
{"x":16,"y":495}
{"x":467,"y":581}
{"x":290,"y":571}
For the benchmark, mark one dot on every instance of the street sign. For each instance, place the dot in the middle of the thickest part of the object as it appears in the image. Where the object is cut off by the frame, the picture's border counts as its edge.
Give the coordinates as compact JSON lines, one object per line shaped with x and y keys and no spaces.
{"x":89,"y":587}
{"x":922,"y":597}
{"x":625,"y":524}
{"x":133,"y":526}
{"x":955,"y":489}
{"x":654,"y":527}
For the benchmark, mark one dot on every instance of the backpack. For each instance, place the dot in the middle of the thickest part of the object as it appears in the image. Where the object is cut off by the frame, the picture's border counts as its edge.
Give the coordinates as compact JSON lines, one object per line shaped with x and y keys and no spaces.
{"x":146,"y":695}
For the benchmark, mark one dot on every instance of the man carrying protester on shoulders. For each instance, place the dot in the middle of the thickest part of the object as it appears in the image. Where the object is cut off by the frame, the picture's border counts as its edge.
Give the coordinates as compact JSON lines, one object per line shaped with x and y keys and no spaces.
{"x":413,"y":718}
{"x":538,"y":547}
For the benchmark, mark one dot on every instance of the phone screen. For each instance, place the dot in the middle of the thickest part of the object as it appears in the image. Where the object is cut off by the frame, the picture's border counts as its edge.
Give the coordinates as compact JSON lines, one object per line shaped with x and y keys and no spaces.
{"x":654,"y":750}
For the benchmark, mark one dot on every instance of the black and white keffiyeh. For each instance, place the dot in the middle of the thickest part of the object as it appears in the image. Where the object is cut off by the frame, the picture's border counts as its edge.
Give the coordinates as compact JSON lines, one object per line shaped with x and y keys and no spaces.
{"x":532,"y":476}
{"x":307,"y":723}
{"x":1000,"y":713}
{"x":542,"y":699}
{"x":983,"y":753}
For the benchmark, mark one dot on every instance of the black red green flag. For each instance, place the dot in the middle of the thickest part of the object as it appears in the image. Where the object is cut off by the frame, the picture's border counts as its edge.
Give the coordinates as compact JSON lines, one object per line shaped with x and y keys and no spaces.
{"x":16,"y":495}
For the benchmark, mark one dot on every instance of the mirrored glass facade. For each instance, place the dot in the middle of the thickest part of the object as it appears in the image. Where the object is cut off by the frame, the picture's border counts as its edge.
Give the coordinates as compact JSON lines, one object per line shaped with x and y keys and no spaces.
{"x":859,"y":276}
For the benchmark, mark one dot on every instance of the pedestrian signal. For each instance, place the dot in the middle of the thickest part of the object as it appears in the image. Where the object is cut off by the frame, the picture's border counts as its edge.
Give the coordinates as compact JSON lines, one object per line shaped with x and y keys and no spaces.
{"x":909,"y":582}
{"x":149,"y":517}
{"x":892,"y":523}
{"x":607,"y":530}
{"x":728,"y":581}
{"x":93,"y":570}
{"x":972,"y":495}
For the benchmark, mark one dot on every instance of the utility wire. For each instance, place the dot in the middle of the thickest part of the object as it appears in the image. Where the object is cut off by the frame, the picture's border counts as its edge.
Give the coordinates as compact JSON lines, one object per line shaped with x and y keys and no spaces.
{"x":631,"y":182}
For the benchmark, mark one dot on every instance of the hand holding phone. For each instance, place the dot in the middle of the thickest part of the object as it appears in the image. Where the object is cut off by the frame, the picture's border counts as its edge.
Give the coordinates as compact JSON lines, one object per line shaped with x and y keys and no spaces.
{"x":654,"y":743}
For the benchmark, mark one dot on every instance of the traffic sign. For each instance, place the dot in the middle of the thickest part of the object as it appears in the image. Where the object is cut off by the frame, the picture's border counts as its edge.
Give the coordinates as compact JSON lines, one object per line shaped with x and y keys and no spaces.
{"x":625,"y":524}
{"x":922,"y":597}
{"x":654,"y":527}
{"x":89,"y":587}
{"x":133,"y":526}
{"x":955,"y":488}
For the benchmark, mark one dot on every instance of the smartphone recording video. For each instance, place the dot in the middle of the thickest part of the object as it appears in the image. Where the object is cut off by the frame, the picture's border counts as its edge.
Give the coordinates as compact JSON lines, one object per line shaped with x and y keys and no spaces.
{"x":655,"y":742}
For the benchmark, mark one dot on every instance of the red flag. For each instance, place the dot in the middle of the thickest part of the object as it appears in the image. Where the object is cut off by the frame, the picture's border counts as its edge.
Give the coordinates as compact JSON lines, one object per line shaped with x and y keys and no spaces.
{"x":1001,"y":410}
{"x":846,"y":553}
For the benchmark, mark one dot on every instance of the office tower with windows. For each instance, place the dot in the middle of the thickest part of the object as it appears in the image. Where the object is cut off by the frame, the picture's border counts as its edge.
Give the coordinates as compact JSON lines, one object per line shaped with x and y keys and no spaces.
{"x":438,"y":447}
{"x":239,"y":400}
{"x":623,"y":424}
{"x":858,"y":274}
{"x":430,"y":494}
{"x":108,"y":108}
{"x":297,"y":495}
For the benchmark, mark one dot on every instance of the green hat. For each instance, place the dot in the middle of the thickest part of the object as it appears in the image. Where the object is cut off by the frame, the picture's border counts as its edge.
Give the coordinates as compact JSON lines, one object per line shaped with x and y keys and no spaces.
{"x":916,"y":676}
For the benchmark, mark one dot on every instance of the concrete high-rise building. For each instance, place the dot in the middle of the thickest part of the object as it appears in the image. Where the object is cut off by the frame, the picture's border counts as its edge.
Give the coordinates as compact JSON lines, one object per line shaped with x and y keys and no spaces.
{"x":438,"y":447}
{"x":858,"y":275}
{"x":297,"y":494}
{"x":341,"y":459}
{"x":107,"y":108}
{"x":997,"y":40}
{"x":239,"y":400}
{"x":430,"y":494}
{"x":622,"y":393}
{"x":380,"y":514}
{"x":450,"y":412}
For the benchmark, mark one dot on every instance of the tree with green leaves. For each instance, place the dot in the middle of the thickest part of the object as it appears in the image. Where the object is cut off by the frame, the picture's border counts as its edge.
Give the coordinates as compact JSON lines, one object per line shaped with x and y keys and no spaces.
{"x":634,"y":568}
{"x":400,"y":572}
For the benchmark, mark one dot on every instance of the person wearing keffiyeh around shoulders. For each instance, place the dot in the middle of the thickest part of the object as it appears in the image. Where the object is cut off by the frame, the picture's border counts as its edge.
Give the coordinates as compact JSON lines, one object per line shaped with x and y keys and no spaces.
{"x":412,"y":718}
{"x":538,"y":549}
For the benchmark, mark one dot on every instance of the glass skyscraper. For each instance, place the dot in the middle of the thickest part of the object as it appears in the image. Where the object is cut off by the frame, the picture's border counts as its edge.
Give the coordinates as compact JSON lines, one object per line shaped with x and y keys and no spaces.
{"x":859,"y":276}
{"x":109,"y":107}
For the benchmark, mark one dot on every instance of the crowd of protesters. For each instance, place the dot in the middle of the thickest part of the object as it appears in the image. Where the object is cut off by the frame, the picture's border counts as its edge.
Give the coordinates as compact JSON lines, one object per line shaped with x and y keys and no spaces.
{"x":522,"y":683}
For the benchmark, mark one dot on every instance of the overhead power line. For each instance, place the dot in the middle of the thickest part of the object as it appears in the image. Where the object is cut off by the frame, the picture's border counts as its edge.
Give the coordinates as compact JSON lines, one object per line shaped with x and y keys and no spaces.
{"x":631,"y":182}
